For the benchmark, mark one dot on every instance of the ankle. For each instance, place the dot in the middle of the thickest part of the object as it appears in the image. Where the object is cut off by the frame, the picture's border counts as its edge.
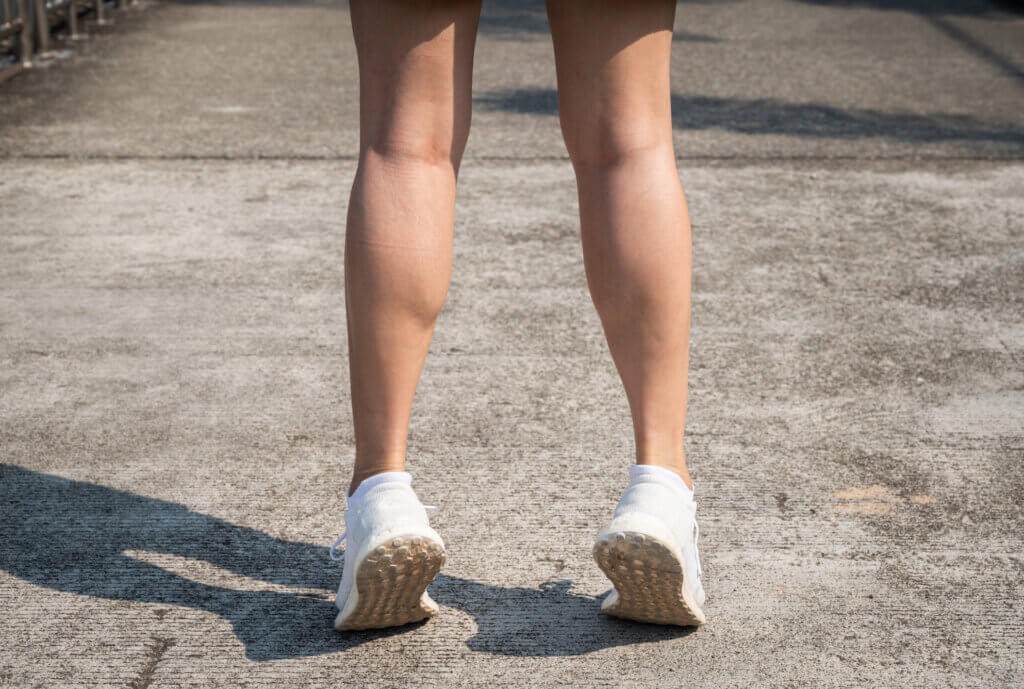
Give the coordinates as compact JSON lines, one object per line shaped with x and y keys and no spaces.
{"x":676,"y":466}
{"x":361,"y":474}
{"x":684,"y":474}
{"x":356,"y":494}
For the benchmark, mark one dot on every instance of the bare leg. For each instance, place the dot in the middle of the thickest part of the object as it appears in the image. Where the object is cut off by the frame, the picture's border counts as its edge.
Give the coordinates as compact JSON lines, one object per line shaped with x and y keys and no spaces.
{"x":415,"y":71}
{"x":612,"y":62}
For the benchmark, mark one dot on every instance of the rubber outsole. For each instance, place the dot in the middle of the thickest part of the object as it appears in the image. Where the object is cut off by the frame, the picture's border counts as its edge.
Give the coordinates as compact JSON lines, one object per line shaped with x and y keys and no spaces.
{"x":648,"y":579}
{"x":391,"y":583}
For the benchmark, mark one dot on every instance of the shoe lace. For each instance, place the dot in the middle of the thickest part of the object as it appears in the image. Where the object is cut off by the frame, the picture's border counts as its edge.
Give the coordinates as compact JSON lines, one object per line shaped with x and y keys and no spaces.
{"x":338,"y":541}
{"x":696,"y":553}
{"x":334,"y":546}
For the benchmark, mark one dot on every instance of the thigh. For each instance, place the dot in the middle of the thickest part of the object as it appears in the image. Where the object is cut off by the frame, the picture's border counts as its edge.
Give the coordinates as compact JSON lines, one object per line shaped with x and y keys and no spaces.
{"x":612,"y":63}
{"x":415,"y":73}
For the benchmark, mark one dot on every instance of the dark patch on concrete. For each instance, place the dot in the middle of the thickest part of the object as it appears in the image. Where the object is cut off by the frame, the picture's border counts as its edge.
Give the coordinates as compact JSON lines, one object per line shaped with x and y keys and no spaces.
{"x":546,"y":233}
{"x":997,"y":289}
{"x":156,"y":652}
{"x":557,"y":562}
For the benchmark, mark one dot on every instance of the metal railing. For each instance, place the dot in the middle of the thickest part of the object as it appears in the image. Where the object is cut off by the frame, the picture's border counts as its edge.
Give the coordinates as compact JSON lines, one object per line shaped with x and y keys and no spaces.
{"x":28,"y":27}
{"x":15,"y":35}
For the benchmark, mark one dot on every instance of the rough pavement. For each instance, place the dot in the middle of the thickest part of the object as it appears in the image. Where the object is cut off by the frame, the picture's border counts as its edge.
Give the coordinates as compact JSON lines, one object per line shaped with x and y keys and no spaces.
{"x":174,"y":418}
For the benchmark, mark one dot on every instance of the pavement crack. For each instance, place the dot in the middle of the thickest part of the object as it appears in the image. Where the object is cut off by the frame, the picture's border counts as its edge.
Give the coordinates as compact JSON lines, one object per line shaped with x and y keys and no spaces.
{"x":156,"y":652}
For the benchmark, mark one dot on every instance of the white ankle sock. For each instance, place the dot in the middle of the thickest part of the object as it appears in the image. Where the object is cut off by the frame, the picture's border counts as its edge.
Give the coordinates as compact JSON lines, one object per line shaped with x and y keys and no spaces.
{"x":663,"y":475}
{"x":383,"y":477}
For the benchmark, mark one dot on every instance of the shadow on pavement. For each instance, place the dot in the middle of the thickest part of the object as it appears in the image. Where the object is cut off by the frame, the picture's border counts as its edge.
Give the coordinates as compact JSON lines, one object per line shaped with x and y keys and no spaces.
{"x":768,"y":116}
{"x":547,"y":621}
{"x":502,"y":19}
{"x":73,"y":536}
{"x":936,"y":12}
{"x":955,"y":7}
{"x":526,"y":19}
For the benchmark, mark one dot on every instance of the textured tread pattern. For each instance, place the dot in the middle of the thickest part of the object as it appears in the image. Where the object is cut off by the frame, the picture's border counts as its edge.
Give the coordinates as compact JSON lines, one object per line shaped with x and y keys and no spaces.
{"x":648,"y":580}
{"x":391,"y":583}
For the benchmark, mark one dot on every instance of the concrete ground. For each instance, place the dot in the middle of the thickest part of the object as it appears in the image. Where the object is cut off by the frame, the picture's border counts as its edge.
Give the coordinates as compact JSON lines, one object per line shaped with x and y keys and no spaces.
{"x":174,"y":411}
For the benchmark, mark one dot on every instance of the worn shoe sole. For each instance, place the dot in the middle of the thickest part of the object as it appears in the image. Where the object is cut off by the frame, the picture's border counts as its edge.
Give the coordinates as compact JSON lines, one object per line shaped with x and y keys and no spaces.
{"x":648,"y":579}
{"x":391,"y":584}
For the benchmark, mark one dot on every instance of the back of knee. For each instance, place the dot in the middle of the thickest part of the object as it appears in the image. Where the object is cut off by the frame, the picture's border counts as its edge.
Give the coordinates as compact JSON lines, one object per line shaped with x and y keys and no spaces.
{"x":425,"y":142}
{"x":609,"y":142}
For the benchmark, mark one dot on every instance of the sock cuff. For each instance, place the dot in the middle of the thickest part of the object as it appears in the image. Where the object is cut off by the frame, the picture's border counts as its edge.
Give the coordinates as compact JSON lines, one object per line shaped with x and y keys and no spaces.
{"x":371,"y":482}
{"x":661,"y":474}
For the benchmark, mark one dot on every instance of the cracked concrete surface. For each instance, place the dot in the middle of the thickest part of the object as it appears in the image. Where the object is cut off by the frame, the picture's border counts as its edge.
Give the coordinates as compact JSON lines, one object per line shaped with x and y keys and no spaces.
{"x":174,"y":414}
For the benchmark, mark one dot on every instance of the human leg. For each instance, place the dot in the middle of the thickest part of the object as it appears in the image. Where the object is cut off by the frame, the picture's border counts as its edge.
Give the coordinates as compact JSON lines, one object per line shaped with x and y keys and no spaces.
{"x":612,"y":60}
{"x":415,"y":68}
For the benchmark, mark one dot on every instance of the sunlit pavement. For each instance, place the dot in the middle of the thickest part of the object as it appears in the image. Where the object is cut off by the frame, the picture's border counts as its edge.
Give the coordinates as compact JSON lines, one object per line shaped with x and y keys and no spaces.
{"x":174,"y":410}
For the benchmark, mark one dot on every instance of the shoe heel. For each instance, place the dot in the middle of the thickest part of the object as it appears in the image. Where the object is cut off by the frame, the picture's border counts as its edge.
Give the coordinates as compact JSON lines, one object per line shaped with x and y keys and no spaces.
{"x":391,"y":584}
{"x":648,"y":578}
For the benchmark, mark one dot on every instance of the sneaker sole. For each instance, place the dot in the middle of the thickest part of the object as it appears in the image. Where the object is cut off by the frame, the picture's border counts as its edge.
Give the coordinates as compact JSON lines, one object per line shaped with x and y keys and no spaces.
{"x":648,"y":579}
{"x":390,"y":584}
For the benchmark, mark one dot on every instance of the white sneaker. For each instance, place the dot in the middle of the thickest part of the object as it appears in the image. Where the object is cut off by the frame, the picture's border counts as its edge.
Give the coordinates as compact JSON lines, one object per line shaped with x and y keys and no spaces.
{"x":649,"y":551}
{"x":391,"y":556}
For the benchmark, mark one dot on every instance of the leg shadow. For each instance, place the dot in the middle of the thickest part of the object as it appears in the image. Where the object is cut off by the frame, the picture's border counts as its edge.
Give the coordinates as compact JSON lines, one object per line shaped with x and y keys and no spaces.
{"x":547,"y":621}
{"x":72,"y":536}
{"x":76,"y":537}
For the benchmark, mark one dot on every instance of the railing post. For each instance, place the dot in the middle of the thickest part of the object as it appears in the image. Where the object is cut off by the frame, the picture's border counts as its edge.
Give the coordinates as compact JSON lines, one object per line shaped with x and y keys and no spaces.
{"x":25,"y":39}
{"x":101,"y":16}
{"x":76,"y":35}
{"x":42,"y":27}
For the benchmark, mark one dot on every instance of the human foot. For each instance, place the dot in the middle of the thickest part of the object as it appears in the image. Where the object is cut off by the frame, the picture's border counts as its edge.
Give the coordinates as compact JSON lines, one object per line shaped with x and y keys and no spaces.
{"x":391,"y":556}
{"x":649,"y":551}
